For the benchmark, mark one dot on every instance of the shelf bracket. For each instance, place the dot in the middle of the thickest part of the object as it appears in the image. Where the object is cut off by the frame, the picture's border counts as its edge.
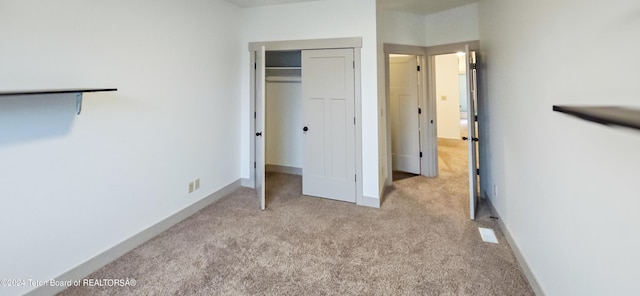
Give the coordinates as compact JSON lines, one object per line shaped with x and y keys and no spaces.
{"x":79,"y":102}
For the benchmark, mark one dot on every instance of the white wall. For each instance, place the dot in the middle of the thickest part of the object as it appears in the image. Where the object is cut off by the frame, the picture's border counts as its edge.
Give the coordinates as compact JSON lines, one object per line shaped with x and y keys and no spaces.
{"x":462,"y":85}
{"x":402,"y":28}
{"x":451,"y":26}
{"x":567,"y":188}
{"x":448,"y":96}
{"x":75,"y":186}
{"x":318,"y":20}
{"x":381,"y":117}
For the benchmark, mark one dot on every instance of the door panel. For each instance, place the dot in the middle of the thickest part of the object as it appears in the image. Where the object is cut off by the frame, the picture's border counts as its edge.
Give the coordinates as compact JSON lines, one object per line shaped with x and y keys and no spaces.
{"x":405,"y":125}
{"x":471,"y":113}
{"x":260,"y":126}
{"x":329,"y":139}
{"x":313,"y":145}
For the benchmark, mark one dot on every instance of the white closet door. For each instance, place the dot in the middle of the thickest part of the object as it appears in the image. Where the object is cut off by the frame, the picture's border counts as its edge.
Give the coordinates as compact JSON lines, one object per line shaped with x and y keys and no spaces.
{"x":329,"y":124}
{"x":260,"y":125}
{"x":405,"y":125}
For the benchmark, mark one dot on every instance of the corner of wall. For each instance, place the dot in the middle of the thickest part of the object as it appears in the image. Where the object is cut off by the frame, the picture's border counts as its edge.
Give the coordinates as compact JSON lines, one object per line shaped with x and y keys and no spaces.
{"x":371,"y":202}
{"x":531,"y":278}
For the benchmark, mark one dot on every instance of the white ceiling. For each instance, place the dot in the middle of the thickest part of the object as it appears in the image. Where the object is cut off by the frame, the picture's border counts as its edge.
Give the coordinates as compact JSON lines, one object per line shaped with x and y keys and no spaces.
{"x":424,"y":7}
{"x":250,"y":3}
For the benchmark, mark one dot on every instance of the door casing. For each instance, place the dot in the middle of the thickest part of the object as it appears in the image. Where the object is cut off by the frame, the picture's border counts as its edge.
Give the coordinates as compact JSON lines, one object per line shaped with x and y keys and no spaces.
{"x":405,"y":135}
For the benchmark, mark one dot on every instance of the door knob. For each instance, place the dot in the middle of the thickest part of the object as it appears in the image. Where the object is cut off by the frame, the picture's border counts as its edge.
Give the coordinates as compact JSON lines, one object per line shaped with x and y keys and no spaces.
{"x":304,"y":129}
{"x":465,"y":138}
{"x":474,"y":139}
{"x":259,"y":134}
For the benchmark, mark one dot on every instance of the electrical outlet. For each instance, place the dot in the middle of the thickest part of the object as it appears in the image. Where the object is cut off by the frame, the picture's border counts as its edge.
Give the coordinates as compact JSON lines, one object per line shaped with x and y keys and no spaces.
{"x":197,"y":183}
{"x":190,"y":187}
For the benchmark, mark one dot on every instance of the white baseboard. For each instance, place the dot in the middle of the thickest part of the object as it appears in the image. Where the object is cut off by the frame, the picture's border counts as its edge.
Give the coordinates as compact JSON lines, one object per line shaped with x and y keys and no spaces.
{"x":106,"y":257}
{"x":367,"y":201}
{"x":248,"y":183}
{"x":533,"y":282}
{"x":283,"y":169}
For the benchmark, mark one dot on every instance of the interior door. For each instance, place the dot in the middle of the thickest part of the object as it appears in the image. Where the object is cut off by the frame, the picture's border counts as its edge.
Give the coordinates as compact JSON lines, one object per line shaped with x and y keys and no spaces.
{"x":329,"y":124}
{"x":472,"y":139}
{"x":405,"y":124}
{"x":260,"y":125}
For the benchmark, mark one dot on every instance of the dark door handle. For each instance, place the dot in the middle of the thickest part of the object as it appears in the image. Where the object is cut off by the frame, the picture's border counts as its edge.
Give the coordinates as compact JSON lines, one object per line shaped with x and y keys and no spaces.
{"x":305,"y":129}
{"x":474,"y":139}
{"x":465,"y":138}
{"x":259,"y":134}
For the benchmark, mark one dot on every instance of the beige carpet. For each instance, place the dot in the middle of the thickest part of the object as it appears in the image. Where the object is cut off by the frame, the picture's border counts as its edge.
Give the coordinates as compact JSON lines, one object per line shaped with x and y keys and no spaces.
{"x":420,"y":242}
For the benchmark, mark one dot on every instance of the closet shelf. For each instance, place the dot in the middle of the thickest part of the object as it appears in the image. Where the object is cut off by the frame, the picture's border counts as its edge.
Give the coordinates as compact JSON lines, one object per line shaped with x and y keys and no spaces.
{"x":77,"y":91}
{"x":283,"y":78}
{"x":607,"y":115}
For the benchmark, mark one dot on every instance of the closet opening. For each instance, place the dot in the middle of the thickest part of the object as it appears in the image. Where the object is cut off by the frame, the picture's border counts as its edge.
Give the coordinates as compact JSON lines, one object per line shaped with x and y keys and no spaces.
{"x":283,"y":104}
{"x":306,"y":121}
{"x":283,"y":137}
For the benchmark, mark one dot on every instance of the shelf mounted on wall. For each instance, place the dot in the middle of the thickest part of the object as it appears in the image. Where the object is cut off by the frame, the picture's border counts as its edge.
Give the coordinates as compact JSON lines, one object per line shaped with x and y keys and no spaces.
{"x":77,"y":91}
{"x":607,"y":115}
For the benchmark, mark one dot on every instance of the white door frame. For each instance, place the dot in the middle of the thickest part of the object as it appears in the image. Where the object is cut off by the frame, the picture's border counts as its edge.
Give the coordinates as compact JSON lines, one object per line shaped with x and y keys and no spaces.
{"x":398,"y":49}
{"x":415,"y":111}
{"x":428,"y":121}
{"x":288,"y":45}
{"x":426,"y":162}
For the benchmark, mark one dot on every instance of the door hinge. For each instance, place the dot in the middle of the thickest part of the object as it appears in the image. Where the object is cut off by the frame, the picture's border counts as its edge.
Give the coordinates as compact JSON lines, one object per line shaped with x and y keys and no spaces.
{"x":475,"y":117}
{"x":419,"y":110}
{"x":255,"y":114}
{"x":420,"y":154}
{"x":355,"y":178}
{"x":354,"y":121}
{"x":255,"y":66}
{"x":474,"y":66}
{"x":354,"y":64}
{"x":478,"y":172}
{"x":418,"y":68}
{"x":255,"y":165}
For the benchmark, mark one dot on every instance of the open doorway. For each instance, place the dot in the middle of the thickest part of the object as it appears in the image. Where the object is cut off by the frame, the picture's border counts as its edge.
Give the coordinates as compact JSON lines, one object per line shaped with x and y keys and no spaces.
{"x":452,"y":107}
{"x":448,"y":141}
{"x":405,"y":95}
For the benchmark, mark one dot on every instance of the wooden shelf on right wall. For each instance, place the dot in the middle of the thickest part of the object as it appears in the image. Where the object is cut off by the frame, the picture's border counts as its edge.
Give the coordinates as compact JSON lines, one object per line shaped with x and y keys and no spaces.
{"x":607,"y":115}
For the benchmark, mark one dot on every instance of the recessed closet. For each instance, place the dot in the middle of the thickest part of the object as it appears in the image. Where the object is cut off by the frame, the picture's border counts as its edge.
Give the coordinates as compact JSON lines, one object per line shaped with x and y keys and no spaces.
{"x":305,"y":121}
{"x":283,"y":103}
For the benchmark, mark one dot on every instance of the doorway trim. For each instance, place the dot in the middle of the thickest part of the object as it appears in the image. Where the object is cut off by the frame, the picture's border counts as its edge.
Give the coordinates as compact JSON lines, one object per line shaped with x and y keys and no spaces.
{"x":425,"y":128}
{"x":354,"y":43}
{"x":428,"y":121}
